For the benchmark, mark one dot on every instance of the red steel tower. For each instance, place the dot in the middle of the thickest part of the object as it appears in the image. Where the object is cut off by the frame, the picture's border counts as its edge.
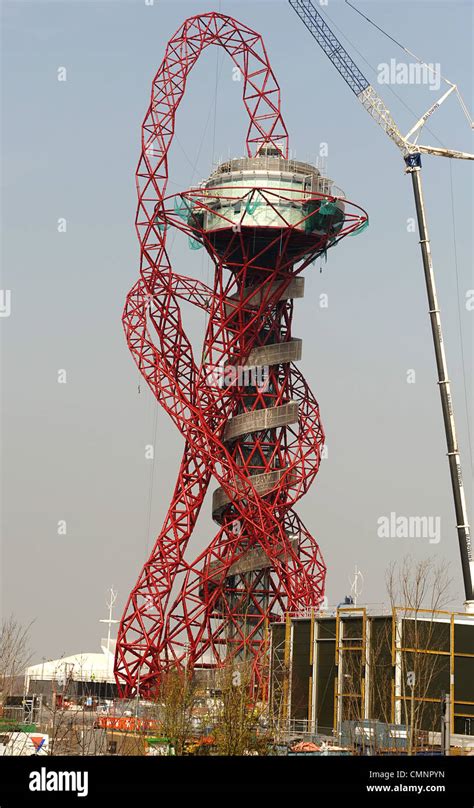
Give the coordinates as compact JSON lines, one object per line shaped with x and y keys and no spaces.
{"x":248,"y":419}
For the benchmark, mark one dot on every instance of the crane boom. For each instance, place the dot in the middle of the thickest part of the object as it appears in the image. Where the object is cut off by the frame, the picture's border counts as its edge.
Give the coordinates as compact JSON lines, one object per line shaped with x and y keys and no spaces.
{"x":411,"y":152}
{"x":361,"y":87}
{"x":331,"y":46}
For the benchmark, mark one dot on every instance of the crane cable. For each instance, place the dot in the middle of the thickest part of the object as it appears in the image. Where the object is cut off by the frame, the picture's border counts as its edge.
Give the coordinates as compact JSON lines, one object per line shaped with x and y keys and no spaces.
{"x":455,"y":254}
{"x":420,"y":61}
{"x":436,"y":138}
{"x":372,"y":68}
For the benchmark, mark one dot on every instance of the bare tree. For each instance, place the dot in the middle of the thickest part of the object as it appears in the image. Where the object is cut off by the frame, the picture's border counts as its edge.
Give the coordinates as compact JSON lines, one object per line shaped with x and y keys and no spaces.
{"x":14,"y":653}
{"x":417,"y":585}
{"x":417,"y":591}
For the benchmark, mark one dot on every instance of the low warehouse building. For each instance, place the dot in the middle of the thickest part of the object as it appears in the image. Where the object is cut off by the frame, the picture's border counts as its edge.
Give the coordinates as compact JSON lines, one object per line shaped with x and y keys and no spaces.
{"x":333,"y":669}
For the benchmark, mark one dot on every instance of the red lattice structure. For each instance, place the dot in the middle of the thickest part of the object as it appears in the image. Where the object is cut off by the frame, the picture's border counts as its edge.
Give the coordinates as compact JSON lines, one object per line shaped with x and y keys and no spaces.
{"x":247,"y":416}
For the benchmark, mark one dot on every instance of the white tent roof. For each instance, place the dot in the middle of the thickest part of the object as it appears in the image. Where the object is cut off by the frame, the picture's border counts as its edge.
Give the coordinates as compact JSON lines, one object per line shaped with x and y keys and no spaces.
{"x":85,"y":667}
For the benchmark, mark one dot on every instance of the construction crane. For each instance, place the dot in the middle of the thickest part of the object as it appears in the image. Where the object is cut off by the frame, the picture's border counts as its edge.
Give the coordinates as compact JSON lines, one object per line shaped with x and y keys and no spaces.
{"x":411,"y":151}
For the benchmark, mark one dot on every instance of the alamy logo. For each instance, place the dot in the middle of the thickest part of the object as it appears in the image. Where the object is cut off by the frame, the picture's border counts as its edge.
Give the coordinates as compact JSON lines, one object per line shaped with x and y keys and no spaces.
{"x":394,"y":72}
{"x":236,"y":375}
{"x":409,"y":527}
{"x":44,"y":780}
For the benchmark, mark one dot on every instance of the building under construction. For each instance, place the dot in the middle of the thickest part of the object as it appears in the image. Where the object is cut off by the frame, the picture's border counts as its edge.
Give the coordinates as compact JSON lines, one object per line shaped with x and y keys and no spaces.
{"x":330,"y":669}
{"x":249,"y":421}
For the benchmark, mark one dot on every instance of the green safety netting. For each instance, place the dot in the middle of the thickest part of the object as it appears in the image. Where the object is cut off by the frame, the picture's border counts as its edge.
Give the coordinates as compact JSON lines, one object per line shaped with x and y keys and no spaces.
{"x":327,"y":207}
{"x":361,"y":228}
{"x":182,"y":207}
{"x":252,"y":205}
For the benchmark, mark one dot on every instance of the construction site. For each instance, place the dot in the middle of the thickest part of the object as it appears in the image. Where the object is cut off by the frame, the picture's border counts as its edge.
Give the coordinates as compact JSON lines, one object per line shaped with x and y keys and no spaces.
{"x":230,"y":647}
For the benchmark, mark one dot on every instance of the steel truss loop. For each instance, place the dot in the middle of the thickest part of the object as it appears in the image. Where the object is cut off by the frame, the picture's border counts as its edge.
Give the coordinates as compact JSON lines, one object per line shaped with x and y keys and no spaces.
{"x":260,"y":438}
